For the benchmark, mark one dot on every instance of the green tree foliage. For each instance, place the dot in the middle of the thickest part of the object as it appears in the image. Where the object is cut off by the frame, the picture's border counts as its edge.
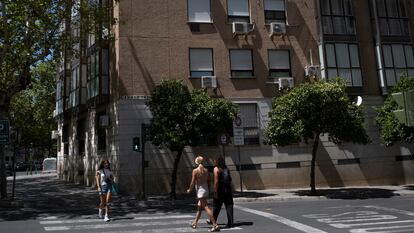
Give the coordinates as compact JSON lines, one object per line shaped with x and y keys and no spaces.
{"x":181,"y":117}
{"x":390,"y":129}
{"x":28,"y":35}
{"x":31,"y":110}
{"x":312,"y":109}
{"x":34,"y":31}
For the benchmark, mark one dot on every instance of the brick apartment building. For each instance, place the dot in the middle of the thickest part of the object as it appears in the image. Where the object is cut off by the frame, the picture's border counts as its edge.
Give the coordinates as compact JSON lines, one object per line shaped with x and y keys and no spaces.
{"x":242,"y":50}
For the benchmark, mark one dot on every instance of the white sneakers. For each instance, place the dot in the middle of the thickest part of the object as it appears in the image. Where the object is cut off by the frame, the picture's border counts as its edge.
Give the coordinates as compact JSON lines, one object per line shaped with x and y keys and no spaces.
{"x":100,"y":215}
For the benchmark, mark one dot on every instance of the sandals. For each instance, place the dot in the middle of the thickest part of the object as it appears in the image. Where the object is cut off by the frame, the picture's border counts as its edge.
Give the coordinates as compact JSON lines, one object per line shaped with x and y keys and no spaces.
{"x":214,"y":228}
{"x":193,"y":225}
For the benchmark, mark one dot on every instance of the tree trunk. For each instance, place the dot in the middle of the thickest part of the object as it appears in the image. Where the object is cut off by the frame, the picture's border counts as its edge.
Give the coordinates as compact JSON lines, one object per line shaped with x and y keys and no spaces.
{"x":3,"y":178}
{"x":312,"y":173}
{"x":174,"y":174}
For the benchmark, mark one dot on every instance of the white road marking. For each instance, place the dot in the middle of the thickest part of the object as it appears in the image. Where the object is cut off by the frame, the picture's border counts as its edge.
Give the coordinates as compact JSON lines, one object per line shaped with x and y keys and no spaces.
{"x":390,"y":229}
{"x":391,"y":210}
{"x":100,"y":220}
{"x":180,"y":229}
{"x":340,"y":225}
{"x":115,"y":225}
{"x":288,"y":222}
{"x":357,"y":219}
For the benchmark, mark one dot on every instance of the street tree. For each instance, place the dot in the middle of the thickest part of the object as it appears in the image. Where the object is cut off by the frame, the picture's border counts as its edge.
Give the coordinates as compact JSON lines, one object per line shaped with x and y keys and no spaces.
{"x":33,"y":31}
{"x":31,"y":110}
{"x":391,"y":130}
{"x":182,"y":117}
{"x":311,"y":110}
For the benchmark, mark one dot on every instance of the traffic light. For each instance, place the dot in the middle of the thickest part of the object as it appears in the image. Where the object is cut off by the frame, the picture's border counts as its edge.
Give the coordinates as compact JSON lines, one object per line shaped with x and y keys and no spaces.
{"x":136,"y":145}
{"x":405,"y":101}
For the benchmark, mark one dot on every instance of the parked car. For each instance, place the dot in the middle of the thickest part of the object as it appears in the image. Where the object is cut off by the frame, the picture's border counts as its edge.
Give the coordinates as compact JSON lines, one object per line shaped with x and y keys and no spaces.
{"x":21,"y":166}
{"x":49,"y":165}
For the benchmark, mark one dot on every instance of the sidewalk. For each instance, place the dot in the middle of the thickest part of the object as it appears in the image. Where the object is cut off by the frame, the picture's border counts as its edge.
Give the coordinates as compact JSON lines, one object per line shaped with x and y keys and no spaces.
{"x":54,"y":192}
{"x":355,"y":192}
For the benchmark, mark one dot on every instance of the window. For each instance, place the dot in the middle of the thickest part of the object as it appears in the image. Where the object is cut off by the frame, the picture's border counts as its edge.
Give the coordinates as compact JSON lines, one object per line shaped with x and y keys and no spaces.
{"x":274,"y":11}
{"x":198,"y":11}
{"x":343,"y":61}
{"x":81,"y":135}
{"x":74,"y":87}
{"x":97,"y":72}
{"x":238,"y":11}
{"x":101,"y":132}
{"x":279,"y":63}
{"x":201,"y":62}
{"x":241,"y":63}
{"x":337,"y":17}
{"x":60,"y":92}
{"x":398,"y":60}
{"x":392,"y":16}
{"x":250,"y":123}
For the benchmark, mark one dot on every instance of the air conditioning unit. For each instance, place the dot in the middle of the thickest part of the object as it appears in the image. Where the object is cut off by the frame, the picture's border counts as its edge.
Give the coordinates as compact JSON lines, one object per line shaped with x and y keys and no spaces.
{"x":285,"y":83}
{"x":312,"y":70}
{"x":241,"y":28}
{"x":277,"y":28}
{"x":103,"y":121}
{"x":208,"y":82}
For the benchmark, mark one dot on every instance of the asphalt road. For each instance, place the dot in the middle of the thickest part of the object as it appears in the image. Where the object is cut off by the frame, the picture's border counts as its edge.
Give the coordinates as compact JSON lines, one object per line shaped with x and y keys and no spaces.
{"x":50,"y":205}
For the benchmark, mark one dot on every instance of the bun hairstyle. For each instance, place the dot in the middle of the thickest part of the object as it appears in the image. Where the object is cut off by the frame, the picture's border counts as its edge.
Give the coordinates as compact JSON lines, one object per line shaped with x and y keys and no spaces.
{"x":199,"y":160}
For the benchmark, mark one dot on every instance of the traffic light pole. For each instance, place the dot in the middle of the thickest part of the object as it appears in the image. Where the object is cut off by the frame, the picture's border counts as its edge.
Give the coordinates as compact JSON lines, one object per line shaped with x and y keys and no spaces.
{"x":143,"y":138}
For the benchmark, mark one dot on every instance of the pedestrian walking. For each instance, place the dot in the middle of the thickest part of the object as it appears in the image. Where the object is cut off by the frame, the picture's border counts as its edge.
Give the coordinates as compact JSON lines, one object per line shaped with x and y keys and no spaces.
{"x":223,"y":192}
{"x":104,"y":180}
{"x":200,"y":179}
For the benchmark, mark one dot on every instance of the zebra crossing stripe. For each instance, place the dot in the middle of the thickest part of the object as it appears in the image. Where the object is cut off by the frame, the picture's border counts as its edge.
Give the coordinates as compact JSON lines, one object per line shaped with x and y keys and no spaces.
{"x":114,"y":225}
{"x":179,"y":229}
{"x":342,"y":225}
{"x":389,"y":229}
{"x":288,"y":222}
{"x":391,"y":210}
{"x":51,"y":222}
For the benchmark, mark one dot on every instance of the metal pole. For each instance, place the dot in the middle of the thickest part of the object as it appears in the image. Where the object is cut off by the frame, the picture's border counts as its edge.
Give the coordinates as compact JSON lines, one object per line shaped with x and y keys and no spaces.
{"x":240,"y":172}
{"x":143,"y":135}
{"x":14,"y":163}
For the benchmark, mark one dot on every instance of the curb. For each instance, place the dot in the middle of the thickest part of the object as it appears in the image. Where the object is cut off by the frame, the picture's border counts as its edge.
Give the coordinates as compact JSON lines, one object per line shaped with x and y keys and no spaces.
{"x":11,"y":204}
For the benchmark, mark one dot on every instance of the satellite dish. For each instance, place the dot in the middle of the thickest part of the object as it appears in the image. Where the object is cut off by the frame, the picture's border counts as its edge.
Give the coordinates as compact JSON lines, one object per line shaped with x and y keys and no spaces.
{"x":358,"y":101}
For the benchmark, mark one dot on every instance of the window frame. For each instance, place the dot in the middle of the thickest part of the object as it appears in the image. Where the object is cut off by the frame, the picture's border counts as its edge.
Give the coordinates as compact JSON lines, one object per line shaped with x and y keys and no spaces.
{"x":255,"y":140}
{"x":393,"y":68}
{"x":350,"y":68}
{"x":97,"y":72}
{"x":209,"y":12}
{"x":274,"y":70}
{"x":274,"y":18}
{"x":328,"y":18}
{"x":207,"y":72}
{"x":385,"y":19}
{"x":238,"y":18}
{"x":242,"y":73}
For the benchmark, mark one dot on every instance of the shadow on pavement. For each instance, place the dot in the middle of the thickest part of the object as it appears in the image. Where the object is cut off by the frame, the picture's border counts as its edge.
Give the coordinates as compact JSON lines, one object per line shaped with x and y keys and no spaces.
{"x":409,"y":187}
{"x":49,"y":196}
{"x":350,"y":193}
{"x":248,"y":194}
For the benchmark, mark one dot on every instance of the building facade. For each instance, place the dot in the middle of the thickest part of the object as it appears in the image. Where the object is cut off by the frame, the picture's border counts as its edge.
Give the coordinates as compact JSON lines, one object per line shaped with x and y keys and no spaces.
{"x":244,"y":51}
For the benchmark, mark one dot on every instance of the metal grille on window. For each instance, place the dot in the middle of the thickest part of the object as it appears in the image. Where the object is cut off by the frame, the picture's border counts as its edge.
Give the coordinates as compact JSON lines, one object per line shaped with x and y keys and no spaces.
{"x":250,"y":123}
